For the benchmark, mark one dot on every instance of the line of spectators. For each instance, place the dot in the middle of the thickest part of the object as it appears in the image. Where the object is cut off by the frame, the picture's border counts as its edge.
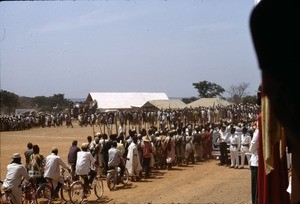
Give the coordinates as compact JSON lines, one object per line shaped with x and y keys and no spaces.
{"x":137,"y":119}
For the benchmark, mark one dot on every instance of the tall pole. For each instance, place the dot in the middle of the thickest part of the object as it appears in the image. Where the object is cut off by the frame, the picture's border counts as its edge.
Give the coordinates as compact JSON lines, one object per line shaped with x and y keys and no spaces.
{"x":0,"y":69}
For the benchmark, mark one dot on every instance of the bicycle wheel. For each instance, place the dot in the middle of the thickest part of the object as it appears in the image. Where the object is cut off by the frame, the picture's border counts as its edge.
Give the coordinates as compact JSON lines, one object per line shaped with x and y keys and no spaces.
{"x":98,"y":186}
{"x":6,"y":198}
{"x":44,"y":193}
{"x":64,"y":194}
{"x":76,"y":192}
{"x":29,"y":194}
{"x":2,"y":197}
{"x":126,"y":176}
{"x":110,"y":180}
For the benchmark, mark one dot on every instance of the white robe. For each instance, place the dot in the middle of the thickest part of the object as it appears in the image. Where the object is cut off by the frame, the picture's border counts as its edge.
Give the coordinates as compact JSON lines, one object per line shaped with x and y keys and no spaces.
{"x":133,"y":165}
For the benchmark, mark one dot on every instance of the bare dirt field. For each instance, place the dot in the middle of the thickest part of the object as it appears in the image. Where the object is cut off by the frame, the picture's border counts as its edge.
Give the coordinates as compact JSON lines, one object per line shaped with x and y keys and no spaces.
{"x":203,"y":182}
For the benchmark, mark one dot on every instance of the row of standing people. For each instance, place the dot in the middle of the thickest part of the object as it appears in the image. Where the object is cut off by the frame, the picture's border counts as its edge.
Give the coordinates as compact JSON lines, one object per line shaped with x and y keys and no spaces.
{"x":160,"y":149}
{"x":234,"y":144}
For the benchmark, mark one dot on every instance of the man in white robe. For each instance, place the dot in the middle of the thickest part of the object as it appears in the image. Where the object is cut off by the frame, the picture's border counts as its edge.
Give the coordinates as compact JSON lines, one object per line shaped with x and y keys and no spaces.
{"x":133,"y":163}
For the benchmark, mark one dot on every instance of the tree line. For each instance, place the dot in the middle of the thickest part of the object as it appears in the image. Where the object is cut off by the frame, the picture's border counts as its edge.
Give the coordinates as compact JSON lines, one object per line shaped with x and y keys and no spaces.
{"x":10,"y":101}
{"x":237,"y":93}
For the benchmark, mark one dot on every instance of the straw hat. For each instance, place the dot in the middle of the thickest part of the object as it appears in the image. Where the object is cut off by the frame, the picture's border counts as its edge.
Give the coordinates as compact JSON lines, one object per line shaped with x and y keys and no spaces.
{"x":16,"y":156}
{"x":146,"y":138}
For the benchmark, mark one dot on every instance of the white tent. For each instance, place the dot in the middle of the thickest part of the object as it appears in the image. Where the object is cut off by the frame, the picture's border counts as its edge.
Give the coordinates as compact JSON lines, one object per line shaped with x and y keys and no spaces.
{"x":208,"y":102}
{"x":123,"y":100}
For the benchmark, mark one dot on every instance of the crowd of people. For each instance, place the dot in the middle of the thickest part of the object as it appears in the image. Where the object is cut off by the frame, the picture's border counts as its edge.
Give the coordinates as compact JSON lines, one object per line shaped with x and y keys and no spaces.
{"x":138,"y":151}
{"x":138,"y":119}
{"x":154,"y":139}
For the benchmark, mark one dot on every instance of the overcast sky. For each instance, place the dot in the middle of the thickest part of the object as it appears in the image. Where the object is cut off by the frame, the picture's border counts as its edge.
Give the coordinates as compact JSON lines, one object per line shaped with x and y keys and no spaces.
{"x":77,"y":47}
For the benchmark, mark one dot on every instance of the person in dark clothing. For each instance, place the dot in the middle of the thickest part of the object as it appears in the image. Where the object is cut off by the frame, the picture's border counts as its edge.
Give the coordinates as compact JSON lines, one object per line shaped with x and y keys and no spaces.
{"x":27,"y":154}
{"x":72,"y":157}
{"x":104,"y":152}
{"x":222,"y":139}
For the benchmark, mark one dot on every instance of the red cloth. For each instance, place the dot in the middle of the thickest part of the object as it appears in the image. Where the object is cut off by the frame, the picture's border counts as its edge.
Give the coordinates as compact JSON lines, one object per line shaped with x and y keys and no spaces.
{"x":147,"y":149}
{"x":207,"y":143}
{"x":272,"y":187}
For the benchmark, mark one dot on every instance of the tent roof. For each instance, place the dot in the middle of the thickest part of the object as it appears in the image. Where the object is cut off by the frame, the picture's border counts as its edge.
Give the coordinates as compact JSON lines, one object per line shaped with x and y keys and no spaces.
{"x":20,"y":111}
{"x":208,"y":102}
{"x":165,"y":104}
{"x":123,"y":100}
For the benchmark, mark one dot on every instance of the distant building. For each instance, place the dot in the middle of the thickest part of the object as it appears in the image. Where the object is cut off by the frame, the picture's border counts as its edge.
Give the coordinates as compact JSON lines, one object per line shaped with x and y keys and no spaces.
{"x":209,"y":102}
{"x":24,"y":111}
{"x":123,"y":100}
{"x":164,"y":104}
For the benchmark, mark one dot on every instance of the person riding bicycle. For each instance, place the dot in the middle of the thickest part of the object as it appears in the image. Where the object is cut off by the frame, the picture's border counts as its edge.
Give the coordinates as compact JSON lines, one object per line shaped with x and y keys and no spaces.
{"x":72,"y":158}
{"x":52,"y":170}
{"x":14,"y":177}
{"x":36,"y":165}
{"x":85,"y":165}
{"x":115,"y":160}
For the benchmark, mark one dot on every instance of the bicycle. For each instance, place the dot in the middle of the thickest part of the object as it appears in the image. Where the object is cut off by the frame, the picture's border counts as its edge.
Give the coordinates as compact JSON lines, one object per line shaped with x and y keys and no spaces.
{"x":6,"y":195}
{"x":28,"y":193}
{"x":79,"y":191}
{"x":31,"y":193}
{"x":65,"y":192}
{"x":113,"y":180}
{"x":34,"y":193}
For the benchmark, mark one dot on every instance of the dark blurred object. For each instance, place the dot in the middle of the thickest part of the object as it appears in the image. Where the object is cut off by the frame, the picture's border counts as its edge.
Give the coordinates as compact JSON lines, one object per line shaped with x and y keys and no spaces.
{"x":276,"y":36}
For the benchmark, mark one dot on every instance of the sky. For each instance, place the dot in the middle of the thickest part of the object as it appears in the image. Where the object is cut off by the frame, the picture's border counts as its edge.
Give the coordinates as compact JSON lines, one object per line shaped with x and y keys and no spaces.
{"x":77,"y":47}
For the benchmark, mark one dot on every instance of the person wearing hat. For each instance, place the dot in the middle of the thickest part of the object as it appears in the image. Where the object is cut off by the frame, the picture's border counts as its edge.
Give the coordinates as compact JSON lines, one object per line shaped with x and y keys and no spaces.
{"x":146,"y":154}
{"x":52,"y":170}
{"x":93,"y":144}
{"x":85,"y":165}
{"x":15,"y":173}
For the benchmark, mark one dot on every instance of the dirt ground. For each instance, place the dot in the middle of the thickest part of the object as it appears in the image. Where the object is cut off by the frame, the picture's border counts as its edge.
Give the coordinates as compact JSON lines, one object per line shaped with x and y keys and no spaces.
{"x":203,"y":182}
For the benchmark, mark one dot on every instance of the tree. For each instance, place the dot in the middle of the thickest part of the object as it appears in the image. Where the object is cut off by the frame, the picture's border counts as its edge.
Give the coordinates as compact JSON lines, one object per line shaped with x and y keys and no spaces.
{"x":58,"y":101}
{"x":189,"y":100}
{"x":48,"y":103}
{"x":208,"y":90}
{"x":238,"y":92}
{"x":9,"y":101}
{"x":40,"y":101}
{"x":250,"y":99}
{"x":25,"y":102}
